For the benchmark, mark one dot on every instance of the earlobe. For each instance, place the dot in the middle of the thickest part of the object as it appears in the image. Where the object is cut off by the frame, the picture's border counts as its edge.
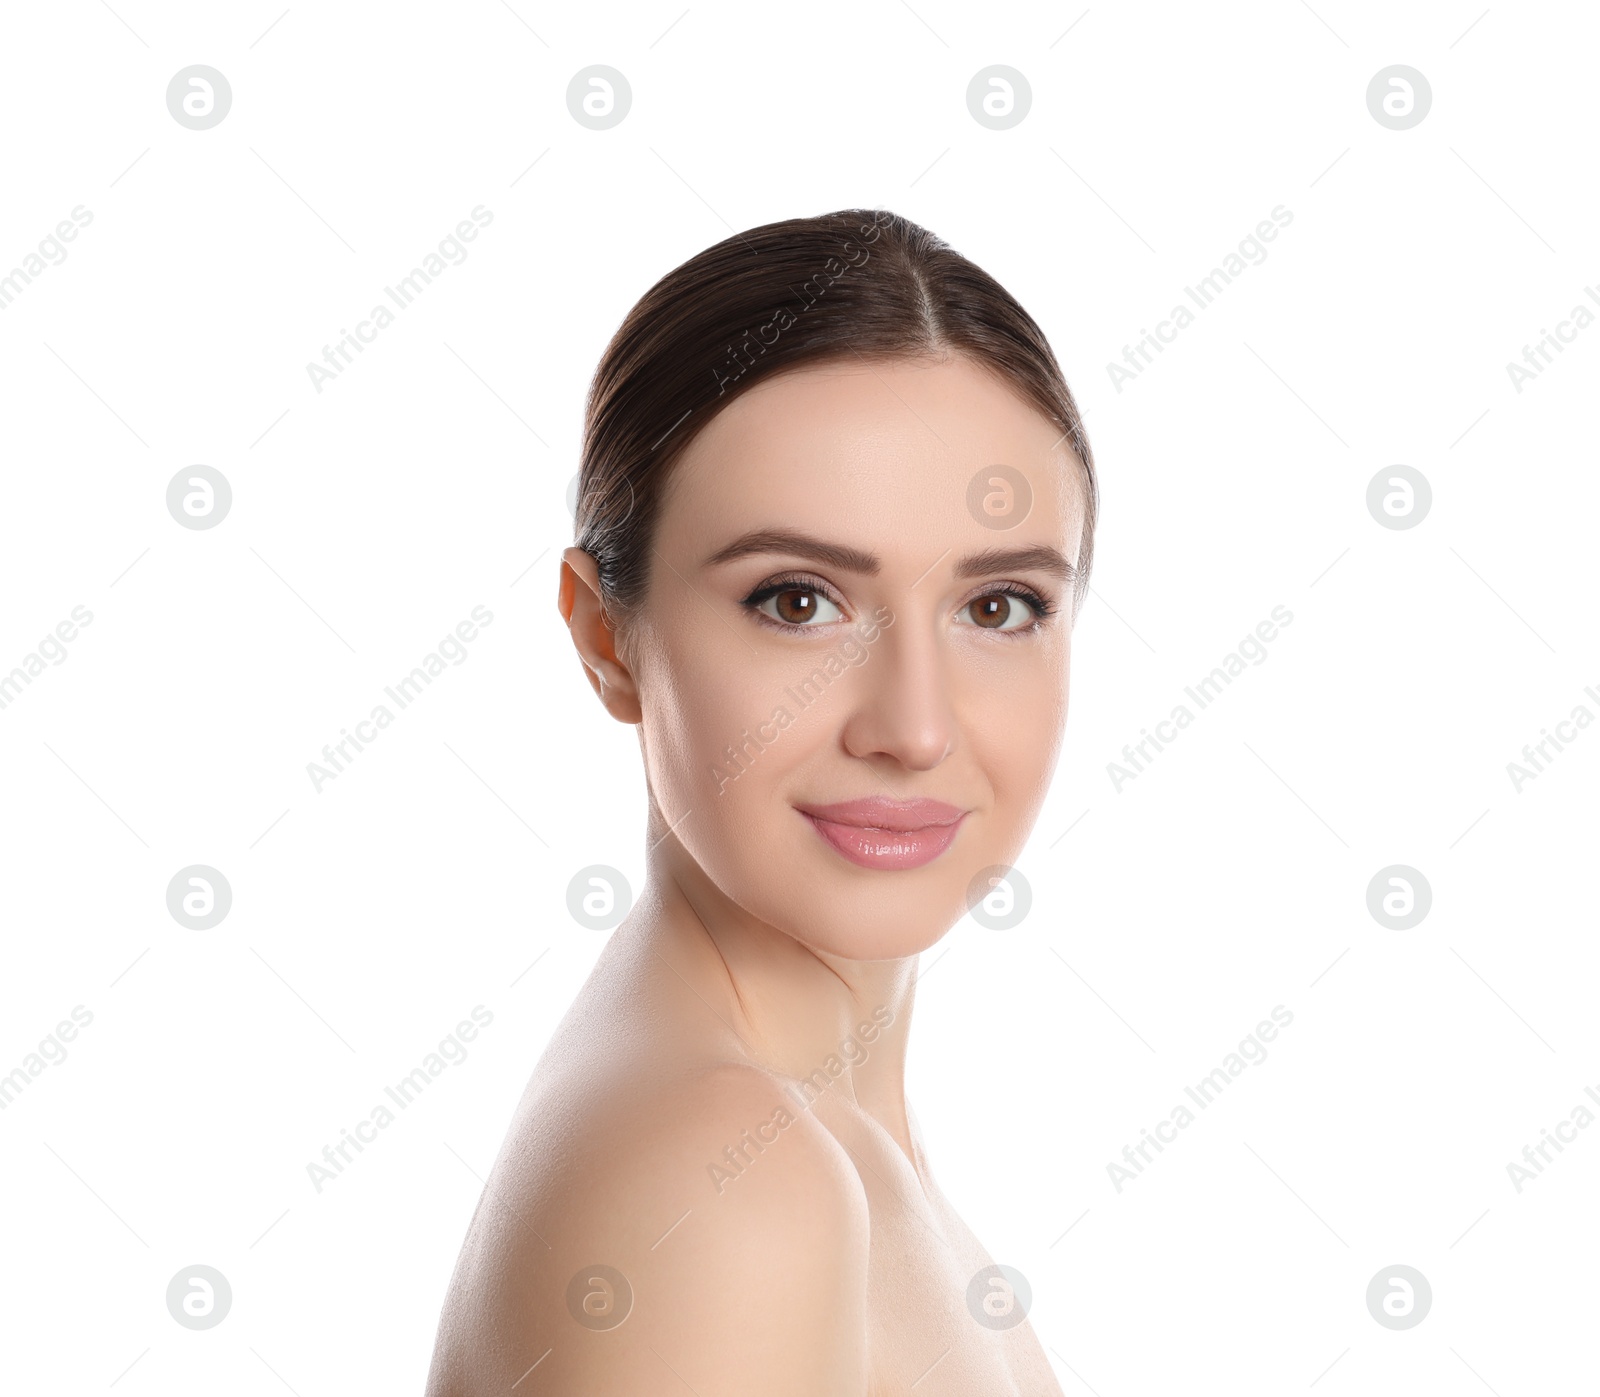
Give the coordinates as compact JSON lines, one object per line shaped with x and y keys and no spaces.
{"x":579,"y":601}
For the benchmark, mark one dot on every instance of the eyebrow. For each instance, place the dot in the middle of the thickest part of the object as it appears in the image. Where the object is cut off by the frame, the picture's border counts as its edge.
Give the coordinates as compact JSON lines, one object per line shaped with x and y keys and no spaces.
{"x":1039,"y":557}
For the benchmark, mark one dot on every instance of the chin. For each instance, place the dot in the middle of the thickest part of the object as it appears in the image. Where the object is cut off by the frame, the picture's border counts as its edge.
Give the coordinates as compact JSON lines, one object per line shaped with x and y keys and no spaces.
{"x":887,"y":925}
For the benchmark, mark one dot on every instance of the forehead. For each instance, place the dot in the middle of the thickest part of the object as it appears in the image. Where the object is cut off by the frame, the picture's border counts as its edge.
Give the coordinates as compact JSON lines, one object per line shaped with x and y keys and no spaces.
{"x":881,"y":452}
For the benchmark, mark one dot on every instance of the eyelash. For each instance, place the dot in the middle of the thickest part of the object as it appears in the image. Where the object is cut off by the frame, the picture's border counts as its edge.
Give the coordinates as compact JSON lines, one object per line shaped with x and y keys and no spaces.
{"x":1042,"y":608}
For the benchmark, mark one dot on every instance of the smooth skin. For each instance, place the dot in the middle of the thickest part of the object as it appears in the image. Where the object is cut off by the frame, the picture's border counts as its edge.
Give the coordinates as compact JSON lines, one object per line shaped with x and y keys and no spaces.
{"x":822,"y":1261}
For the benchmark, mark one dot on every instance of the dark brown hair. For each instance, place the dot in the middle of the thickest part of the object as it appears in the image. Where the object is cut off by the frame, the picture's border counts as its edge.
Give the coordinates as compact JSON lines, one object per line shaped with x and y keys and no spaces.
{"x":857,"y":283}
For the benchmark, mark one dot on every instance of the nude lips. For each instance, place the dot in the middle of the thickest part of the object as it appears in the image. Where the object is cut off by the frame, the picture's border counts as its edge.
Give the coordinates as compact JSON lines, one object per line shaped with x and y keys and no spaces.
{"x":876,"y":832}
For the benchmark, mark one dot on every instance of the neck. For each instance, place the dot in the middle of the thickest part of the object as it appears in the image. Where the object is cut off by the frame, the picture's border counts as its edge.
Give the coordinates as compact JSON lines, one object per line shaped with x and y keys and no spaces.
{"x":785,"y":1007}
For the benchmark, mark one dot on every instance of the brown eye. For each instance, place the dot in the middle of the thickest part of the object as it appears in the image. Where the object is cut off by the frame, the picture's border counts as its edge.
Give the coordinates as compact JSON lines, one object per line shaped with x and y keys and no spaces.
{"x":798,"y":606}
{"x":999,"y":611}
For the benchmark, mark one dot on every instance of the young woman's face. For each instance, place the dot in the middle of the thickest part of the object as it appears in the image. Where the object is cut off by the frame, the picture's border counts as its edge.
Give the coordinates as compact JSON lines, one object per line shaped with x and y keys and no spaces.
{"x":823,"y":628}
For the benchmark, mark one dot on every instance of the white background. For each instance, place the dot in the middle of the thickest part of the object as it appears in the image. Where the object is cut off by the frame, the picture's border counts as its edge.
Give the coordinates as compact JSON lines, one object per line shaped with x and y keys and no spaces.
{"x":430,"y":477}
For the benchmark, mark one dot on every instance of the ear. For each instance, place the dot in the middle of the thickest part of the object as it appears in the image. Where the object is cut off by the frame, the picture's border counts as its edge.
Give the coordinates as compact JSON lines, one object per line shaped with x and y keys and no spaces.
{"x":592,"y":634}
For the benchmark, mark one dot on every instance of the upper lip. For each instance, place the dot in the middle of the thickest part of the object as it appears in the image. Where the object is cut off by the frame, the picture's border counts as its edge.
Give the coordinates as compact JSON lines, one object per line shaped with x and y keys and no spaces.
{"x":879,"y":812}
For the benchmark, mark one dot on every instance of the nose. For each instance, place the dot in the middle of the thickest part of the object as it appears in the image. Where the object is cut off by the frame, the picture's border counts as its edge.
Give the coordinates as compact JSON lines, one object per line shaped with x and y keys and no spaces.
{"x":901,"y":704}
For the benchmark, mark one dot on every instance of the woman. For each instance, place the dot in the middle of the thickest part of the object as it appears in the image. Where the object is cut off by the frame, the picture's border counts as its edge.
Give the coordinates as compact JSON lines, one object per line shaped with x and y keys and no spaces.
{"x":835,"y":520}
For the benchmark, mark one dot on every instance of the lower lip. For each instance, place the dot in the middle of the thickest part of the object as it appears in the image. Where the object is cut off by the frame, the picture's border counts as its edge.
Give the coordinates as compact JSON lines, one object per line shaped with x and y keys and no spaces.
{"x":887,"y":848}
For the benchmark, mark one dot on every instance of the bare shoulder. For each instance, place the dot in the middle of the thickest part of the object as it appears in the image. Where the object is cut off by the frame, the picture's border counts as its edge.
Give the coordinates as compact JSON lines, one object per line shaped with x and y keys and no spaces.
{"x":705,"y":1225}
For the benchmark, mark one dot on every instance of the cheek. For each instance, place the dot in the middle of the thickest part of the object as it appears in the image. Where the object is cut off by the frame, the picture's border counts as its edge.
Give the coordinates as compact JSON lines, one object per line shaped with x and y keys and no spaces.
{"x":1017,"y":737}
{"x":720,"y":760}
{"x":719,"y":729}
